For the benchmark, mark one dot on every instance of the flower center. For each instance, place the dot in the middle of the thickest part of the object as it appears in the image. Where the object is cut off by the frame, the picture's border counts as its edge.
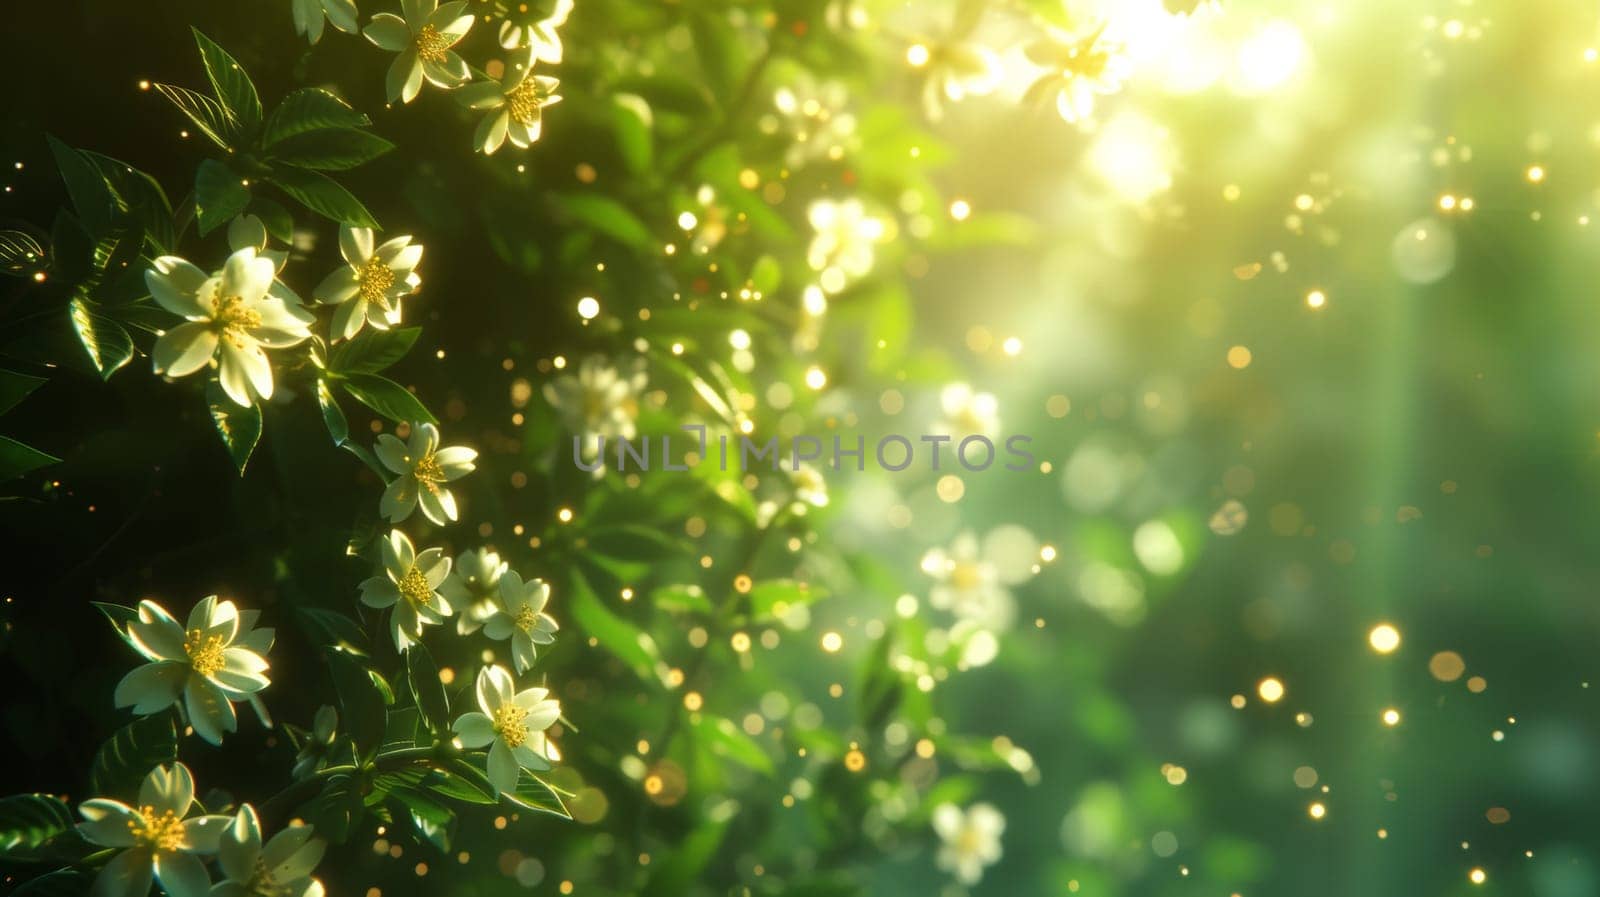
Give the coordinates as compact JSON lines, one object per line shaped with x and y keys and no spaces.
{"x":262,"y":884}
{"x":431,"y":44}
{"x":1087,"y":62}
{"x":205,"y":652}
{"x":163,"y":832}
{"x":965,"y":576}
{"x":524,"y":102}
{"x":525,"y":618}
{"x":508,"y":725}
{"x":233,"y":317}
{"x":414,"y":587}
{"x":428,"y":472}
{"x":373,"y":280}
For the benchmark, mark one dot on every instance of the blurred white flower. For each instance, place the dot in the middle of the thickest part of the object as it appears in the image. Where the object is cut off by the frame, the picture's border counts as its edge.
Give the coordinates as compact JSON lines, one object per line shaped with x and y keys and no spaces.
{"x":309,"y":16}
{"x":520,"y":617}
{"x":540,"y":35}
{"x":210,"y":663}
{"x":280,"y":868}
{"x":473,"y":588}
{"x":423,"y":39}
{"x":599,"y":401}
{"x":954,"y":66}
{"x":967,"y":412}
{"x":423,"y":468}
{"x":368,"y":289}
{"x":158,"y":841}
{"x":810,"y":488}
{"x":815,"y":115}
{"x":971,"y":839}
{"x":512,"y":724}
{"x":515,"y":105}
{"x":231,"y":316}
{"x":972,"y":579}
{"x":410,"y":584}
{"x":1077,"y":69}
{"x":844,"y":245}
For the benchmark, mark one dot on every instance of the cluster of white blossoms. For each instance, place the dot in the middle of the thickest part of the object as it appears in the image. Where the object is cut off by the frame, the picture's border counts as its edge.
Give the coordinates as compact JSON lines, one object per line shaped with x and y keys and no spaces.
{"x":969,"y":840}
{"x":409,"y":583}
{"x":423,"y":39}
{"x":234,"y":315}
{"x":599,"y":403}
{"x":843,"y":248}
{"x":158,"y":840}
{"x":213,"y":661}
{"x":1077,"y":69}
{"x":511,"y":724}
{"x":972,"y":582}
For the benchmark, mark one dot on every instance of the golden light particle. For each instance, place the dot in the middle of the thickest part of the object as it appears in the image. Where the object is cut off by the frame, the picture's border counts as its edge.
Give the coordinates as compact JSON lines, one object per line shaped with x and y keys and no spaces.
{"x":1477,"y":684}
{"x":1316,"y":299}
{"x":740,"y":642}
{"x":692,"y":701}
{"x":925,"y":748}
{"x":1176,"y":775}
{"x":1058,"y":406}
{"x":960,"y":210}
{"x":1498,"y":815}
{"x":1237,"y":702}
{"x":1446,"y":666}
{"x":1239,"y":357}
{"x":1305,"y":777}
{"x":1384,"y":638}
{"x":1383,"y":833}
{"x":1535,"y":174}
{"x":1270,"y":689}
{"x":653,"y":784}
{"x":1391,"y":717}
{"x":1047,"y":553}
{"x":421,"y":869}
{"x":588,"y":308}
{"x":1447,"y":202}
{"x":1477,"y":876}
{"x":917,"y":55}
{"x":742,"y":583}
{"x":566,"y":887}
{"x":816,"y":378}
{"x":564,"y":515}
{"x":1012,"y":346}
{"x":832,"y":642}
{"x":1317,"y":810}
{"x":855,"y":761}
{"x":950,"y":488}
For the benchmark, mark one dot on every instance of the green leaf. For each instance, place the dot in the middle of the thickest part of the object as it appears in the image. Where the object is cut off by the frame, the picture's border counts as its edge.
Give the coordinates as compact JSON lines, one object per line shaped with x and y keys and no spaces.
{"x":219,"y":195}
{"x":106,"y":341}
{"x":335,"y":811}
{"x":607,"y":216}
{"x":630,"y":121}
{"x":17,"y":459}
{"x":28,"y":820}
{"x":14,"y":387}
{"x":140,"y":196}
{"x":60,"y":883}
{"x":361,"y":702}
{"x":426,"y":689}
{"x":239,"y":426}
{"x":331,"y":149}
{"x":231,"y":84}
{"x":632,"y":542}
{"x":717,"y":46}
{"x":274,"y":217}
{"x":462,"y":781}
{"x":332,"y":415}
{"x":331,"y":628}
{"x":728,"y":741}
{"x":627,"y":642}
{"x":372,"y":350}
{"x":309,"y":109}
{"x":772,"y":597}
{"x":21,"y":253}
{"x":120,"y":616}
{"x":122,"y":762}
{"x":203,"y":112}
{"x":677,"y":871}
{"x":90,"y":195}
{"x":386,"y":397}
{"x":532,"y":793}
{"x":71,"y":249}
{"x":323,"y":195}
{"x":681,"y":599}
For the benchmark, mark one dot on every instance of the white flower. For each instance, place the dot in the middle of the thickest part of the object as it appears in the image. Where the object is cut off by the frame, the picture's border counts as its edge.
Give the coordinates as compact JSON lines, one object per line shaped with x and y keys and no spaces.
{"x":159,"y":841}
{"x":597,"y":401}
{"x":810,"y":488}
{"x":815,"y":115}
{"x":512,"y":722}
{"x":541,"y":35}
{"x":956,"y":70}
{"x":971,"y":839}
{"x":281,"y":868}
{"x":248,"y":231}
{"x":369,"y":288}
{"x":423,"y":39}
{"x":213,"y":661}
{"x":520,"y":617}
{"x":309,"y":14}
{"x":515,"y":105}
{"x":410,"y":584}
{"x":1077,"y":70}
{"x":843,"y":247}
{"x":473,"y":588}
{"x":318,"y":742}
{"x":423,"y":469}
{"x":968,"y":412}
{"x":230,"y":316}
{"x":971,"y":581}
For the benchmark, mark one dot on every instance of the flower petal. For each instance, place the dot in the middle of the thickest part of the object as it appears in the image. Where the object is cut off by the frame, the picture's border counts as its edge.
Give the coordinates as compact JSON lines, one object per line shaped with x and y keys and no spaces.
{"x":151,"y":687}
{"x":389,"y":32}
{"x":503,"y":769}
{"x":182,"y":875}
{"x":127,"y":875}
{"x":474,"y":729}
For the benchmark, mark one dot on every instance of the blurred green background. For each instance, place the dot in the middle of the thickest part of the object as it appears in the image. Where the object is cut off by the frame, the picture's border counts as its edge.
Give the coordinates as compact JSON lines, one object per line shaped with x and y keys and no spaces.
{"x":1303,"y":328}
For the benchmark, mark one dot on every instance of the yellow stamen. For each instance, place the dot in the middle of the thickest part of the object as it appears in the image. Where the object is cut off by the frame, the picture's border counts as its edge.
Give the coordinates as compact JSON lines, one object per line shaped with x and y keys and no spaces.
{"x":428,"y":472}
{"x":507,"y":723}
{"x":431,"y":44}
{"x":526,"y":618}
{"x":162,"y":832}
{"x":524,"y":102}
{"x":414,"y":587}
{"x":965,"y":576}
{"x":373,"y":280}
{"x":263,"y":884}
{"x":232,"y":318}
{"x":205,"y":652}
